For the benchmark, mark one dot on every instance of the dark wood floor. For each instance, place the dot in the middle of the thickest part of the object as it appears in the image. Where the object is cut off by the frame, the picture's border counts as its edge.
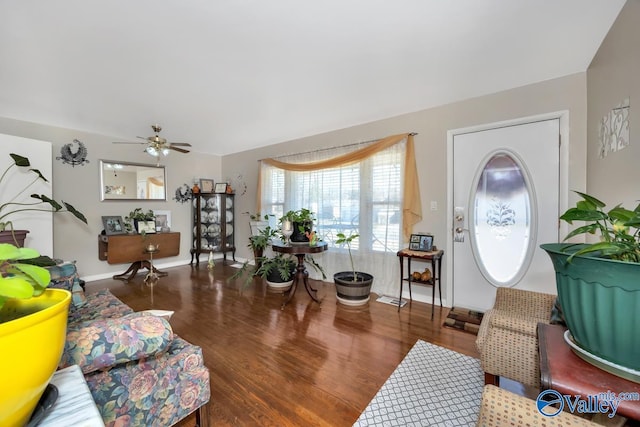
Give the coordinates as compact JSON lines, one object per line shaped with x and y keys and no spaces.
{"x":307,"y":365}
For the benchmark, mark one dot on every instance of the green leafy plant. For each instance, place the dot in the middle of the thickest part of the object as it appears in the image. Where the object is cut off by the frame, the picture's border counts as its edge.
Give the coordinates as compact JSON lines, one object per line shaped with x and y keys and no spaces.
{"x":258,"y":216}
{"x":263,"y":239}
{"x":19,"y":279}
{"x":342,"y":239}
{"x":137,"y":215}
{"x":284,"y":265}
{"x":43,"y":203}
{"x":300,"y":215}
{"x":619,"y":229}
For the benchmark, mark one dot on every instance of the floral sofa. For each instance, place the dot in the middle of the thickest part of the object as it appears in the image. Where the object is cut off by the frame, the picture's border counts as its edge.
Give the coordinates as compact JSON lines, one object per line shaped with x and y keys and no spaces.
{"x":139,"y":372}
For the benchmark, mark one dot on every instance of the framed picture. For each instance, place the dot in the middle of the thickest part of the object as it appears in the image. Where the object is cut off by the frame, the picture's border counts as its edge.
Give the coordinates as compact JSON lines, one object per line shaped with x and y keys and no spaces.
{"x":113,"y":225}
{"x":146,"y":226}
{"x":421,"y":242}
{"x":206,"y":185}
{"x":221,"y":187}
{"x":163,"y":220}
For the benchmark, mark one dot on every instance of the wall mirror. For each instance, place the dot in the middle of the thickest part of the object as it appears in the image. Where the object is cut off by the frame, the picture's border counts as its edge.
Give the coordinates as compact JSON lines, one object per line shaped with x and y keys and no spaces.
{"x":132,"y":181}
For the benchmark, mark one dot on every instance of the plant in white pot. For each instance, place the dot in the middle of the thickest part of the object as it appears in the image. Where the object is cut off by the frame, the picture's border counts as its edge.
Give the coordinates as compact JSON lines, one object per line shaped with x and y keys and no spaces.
{"x":278,"y":271}
{"x":33,"y":322}
{"x":352,"y":287}
{"x":11,"y":206}
{"x":599,"y":285}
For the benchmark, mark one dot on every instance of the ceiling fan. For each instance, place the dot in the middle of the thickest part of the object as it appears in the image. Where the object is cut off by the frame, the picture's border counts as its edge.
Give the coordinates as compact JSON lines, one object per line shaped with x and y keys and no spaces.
{"x":157,"y":145}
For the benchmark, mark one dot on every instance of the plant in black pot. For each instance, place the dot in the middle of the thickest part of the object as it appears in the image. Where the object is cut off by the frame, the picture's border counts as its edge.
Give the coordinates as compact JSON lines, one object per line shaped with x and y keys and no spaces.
{"x":352,"y":287}
{"x":302,"y":220}
{"x":598,"y":286}
{"x":277,"y":271}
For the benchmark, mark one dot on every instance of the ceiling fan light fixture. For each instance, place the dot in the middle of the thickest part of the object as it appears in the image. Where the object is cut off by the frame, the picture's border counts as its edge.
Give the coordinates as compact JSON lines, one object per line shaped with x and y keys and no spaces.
{"x":152,"y":151}
{"x":165,"y":151}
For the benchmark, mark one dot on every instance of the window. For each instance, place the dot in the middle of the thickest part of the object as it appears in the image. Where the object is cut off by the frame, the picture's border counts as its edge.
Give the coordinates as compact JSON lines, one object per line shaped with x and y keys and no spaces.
{"x":363,"y":198}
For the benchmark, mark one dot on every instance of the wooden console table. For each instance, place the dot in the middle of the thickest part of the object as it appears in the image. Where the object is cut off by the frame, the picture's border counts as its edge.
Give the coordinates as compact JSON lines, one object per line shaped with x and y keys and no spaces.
{"x":562,"y":370}
{"x":124,"y":248}
{"x":435,"y":257}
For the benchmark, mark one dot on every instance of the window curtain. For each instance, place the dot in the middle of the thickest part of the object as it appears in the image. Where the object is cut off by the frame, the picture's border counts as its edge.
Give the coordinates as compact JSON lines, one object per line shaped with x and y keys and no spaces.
{"x":368,"y":186}
{"x":411,"y":204}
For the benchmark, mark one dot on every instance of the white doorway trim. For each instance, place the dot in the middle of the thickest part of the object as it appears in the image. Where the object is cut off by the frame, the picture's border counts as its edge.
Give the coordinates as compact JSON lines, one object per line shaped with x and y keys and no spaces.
{"x":563,"y":116}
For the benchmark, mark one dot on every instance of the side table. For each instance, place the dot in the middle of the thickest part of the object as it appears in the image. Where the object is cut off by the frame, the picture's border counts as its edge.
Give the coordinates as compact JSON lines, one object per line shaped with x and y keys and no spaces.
{"x":300,"y":250}
{"x":435,"y":257}
{"x":562,"y":370}
{"x":75,"y":405}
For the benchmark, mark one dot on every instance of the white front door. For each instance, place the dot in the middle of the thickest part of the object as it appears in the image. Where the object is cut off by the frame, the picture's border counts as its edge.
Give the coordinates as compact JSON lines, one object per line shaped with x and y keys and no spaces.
{"x":505,"y":204}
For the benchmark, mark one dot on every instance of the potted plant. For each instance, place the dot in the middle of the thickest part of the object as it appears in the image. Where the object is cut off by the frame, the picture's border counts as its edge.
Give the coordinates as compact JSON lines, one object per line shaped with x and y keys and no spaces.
{"x":598,"y":283}
{"x":33,"y":323}
{"x":12,"y":206}
{"x":277,"y":271}
{"x":261,"y":241}
{"x":352,"y":287}
{"x":135,"y":216}
{"x":302,"y":220}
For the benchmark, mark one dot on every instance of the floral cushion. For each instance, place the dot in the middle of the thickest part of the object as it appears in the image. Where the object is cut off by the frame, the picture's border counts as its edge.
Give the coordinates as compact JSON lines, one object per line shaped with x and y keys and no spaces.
{"x":64,"y":275}
{"x":100,"y":305}
{"x":100,"y":344}
{"x":154,"y":391}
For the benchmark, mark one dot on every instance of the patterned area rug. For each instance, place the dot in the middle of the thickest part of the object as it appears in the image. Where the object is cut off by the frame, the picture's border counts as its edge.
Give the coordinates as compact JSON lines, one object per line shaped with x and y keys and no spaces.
{"x":464,"y":320}
{"x":432,"y":386}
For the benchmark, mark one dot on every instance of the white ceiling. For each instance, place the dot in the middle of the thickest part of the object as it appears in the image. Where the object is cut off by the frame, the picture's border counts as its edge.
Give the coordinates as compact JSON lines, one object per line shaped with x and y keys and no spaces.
{"x":232,"y":75}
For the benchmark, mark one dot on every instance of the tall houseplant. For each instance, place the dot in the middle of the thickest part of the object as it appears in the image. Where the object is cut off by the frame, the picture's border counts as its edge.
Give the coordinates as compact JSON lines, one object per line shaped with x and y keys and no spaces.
{"x":33,"y":322}
{"x":41,"y":201}
{"x":352,"y":287}
{"x":598,"y":284}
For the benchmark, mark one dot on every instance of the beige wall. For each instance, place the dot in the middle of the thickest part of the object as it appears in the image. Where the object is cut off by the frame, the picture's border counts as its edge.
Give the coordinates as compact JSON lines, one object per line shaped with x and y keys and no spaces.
{"x":614,"y":74}
{"x":80,"y":186}
{"x":567,"y":93}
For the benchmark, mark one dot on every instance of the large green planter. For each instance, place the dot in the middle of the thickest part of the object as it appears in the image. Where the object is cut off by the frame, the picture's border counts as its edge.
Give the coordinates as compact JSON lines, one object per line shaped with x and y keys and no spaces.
{"x":600,"y":299}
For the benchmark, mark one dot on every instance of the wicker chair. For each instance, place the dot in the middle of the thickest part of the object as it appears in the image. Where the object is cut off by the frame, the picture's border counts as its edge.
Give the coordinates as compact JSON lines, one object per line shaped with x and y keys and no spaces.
{"x":500,"y":407}
{"x":507,"y":339}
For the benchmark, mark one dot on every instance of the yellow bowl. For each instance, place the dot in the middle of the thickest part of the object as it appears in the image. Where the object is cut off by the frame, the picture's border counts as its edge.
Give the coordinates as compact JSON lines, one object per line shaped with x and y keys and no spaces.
{"x":30,"y":350}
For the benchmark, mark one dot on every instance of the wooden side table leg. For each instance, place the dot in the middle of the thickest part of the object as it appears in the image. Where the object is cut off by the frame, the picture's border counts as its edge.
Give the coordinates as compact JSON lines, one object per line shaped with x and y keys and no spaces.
{"x":401,"y":281}
{"x":433,"y":286}
{"x":409,"y":276}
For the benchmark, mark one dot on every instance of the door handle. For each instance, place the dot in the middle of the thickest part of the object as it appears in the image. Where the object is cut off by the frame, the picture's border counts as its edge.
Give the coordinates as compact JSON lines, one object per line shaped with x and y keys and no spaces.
{"x":458,"y":217}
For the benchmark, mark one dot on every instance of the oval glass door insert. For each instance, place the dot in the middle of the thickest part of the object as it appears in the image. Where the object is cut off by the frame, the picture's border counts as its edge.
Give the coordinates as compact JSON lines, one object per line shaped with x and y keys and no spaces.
{"x":502,"y":219}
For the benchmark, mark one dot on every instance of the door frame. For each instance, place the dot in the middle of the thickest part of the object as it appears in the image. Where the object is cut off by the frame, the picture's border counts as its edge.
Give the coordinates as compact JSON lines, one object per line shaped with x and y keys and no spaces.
{"x":563,"y":192}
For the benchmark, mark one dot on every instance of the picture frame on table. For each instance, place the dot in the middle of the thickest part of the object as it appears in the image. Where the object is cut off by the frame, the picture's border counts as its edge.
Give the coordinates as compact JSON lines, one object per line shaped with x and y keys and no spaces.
{"x":113,"y":225}
{"x":163,"y":220}
{"x":422,"y":242}
{"x":146,"y":227}
{"x":221,"y":187}
{"x":206,"y":185}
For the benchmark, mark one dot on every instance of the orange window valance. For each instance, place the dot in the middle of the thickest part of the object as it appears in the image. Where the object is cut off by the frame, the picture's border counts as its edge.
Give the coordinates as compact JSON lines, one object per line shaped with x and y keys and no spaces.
{"x":411,"y":203}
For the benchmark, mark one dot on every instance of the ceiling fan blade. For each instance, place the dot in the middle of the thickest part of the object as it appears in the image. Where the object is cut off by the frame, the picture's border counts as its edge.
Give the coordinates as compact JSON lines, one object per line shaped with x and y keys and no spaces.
{"x":181,"y":150}
{"x":126,"y":142}
{"x":184,"y":144}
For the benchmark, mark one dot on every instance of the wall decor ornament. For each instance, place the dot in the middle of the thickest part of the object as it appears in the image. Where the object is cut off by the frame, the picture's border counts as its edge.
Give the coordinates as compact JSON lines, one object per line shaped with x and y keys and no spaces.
{"x":614,"y":130}
{"x":183,"y":194}
{"x":73,"y":157}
